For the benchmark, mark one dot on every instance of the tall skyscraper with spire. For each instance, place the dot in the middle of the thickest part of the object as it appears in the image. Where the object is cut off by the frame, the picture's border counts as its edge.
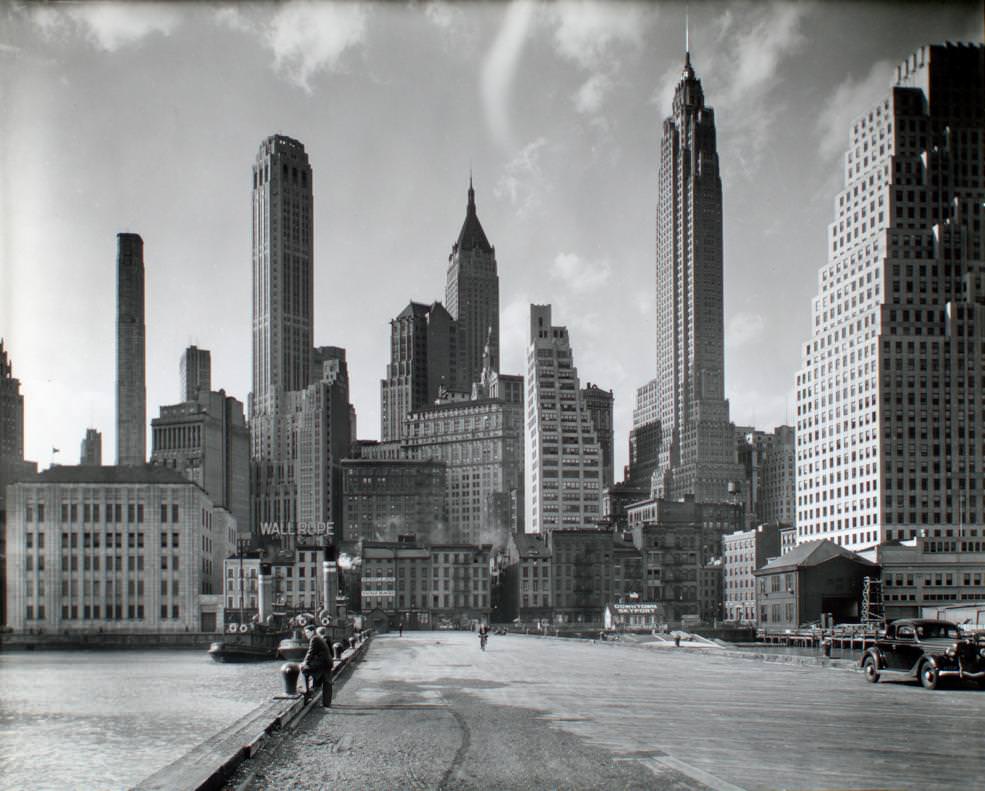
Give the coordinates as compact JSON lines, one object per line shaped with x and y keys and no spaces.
{"x":890,"y":394}
{"x":131,"y":379}
{"x":472,"y":296}
{"x":697,"y":454}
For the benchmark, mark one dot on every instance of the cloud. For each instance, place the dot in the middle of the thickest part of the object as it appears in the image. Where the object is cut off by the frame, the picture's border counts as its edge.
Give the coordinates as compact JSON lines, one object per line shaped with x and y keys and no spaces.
{"x":744,"y":61}
{"x":107,"y":26}
{"x":591,"y":95}
{"x":593,"y":36}
{"x":745,"y":328}
{"x":499,"y":69}
{"x":523,"y":182}
{"x":590,"y":33}
{"x":444,"y":15}
{"x":308,"y":37}
{"x":579,"y":275}
{"x":849,"y":100}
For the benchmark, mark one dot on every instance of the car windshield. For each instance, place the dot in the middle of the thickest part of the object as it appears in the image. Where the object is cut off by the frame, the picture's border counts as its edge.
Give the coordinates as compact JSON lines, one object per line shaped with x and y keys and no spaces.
{"x":938,"y":630}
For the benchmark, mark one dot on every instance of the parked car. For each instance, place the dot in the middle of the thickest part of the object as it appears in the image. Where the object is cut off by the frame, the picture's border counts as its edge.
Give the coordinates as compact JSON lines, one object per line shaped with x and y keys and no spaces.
{"x":924,"y":650}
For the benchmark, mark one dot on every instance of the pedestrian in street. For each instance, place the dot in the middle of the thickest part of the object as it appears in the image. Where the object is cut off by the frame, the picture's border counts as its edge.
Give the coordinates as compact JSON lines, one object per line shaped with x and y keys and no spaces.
{"x":401,"y":628}
{"x":318,"y":663}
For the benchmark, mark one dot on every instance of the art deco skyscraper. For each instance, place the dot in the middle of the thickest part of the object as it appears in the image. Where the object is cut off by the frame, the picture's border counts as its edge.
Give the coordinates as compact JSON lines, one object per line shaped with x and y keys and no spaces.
{"x":563,"y":458}
{"x":283,"y":304}
{"x":697,"y":453}
{"x":472,"y":297}
{"x":283,"y":260}
{"x":131,"y":388}
{"x":891,"y":391}
{"x":196,"y":373}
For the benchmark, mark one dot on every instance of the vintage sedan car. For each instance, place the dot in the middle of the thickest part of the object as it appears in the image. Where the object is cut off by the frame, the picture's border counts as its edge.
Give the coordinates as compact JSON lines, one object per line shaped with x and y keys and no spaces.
{"x":926,"y":650}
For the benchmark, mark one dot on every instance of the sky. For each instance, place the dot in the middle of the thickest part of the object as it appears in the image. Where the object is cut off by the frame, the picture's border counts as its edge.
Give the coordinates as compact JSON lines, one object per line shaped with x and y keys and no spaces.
{"x":147,"y":117}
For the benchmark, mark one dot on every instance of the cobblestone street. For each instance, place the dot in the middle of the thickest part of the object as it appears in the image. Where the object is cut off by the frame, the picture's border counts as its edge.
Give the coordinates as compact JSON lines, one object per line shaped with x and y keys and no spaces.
{"x":430,"y":710}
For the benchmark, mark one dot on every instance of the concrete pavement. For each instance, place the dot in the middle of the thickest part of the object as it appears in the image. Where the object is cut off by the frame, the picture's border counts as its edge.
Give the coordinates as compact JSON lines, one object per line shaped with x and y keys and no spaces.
{"x":430,"y":710}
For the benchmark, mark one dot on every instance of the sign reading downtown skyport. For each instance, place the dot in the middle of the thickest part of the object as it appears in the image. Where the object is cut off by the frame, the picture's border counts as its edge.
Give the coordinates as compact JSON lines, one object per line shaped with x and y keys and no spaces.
{"x":296,"y":528}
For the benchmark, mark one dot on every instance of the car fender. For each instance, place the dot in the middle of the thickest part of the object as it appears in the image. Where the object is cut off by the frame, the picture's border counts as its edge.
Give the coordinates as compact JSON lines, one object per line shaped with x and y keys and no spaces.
{"x":876,"y":654}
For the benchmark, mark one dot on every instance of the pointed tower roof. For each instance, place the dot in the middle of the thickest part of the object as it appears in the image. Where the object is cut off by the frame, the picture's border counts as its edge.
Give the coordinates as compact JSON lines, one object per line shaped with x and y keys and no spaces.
{"x":472,"y":237}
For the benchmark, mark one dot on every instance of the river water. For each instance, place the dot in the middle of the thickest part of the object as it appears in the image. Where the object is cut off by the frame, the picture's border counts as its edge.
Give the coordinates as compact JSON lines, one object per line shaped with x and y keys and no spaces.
{"x":108,"y":719}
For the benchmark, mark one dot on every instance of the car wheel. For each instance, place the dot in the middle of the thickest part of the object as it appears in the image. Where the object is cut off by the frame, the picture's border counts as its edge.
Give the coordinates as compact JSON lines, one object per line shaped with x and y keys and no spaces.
{"x":929,"y":676}
{"x":871,"y":669}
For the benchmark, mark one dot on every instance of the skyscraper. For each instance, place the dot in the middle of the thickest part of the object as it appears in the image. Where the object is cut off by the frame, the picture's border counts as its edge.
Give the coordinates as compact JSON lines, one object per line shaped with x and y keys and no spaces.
{"x":891,"y":391}
{"x":11,"y":413}
{"x":91,"y":450}
{"x":472,"y":296}
{"x":283,"y":304}
{"x":697,"y":454}
{"x":283,"y":276}
{"x":196,"y":373}
{"x":131,"y":388}
{"x":423,"y":356}
{"x":598,"y":402}
{"x":563,"y":458}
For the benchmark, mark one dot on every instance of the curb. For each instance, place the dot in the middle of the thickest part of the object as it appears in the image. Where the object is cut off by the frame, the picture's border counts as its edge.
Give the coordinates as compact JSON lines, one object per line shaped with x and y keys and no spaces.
{"x":209,"y":765}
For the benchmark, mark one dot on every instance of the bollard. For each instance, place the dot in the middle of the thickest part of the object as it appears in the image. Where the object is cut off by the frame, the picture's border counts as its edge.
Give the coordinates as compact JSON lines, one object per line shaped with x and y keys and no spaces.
{"x":337,"y":649}
{"x":352,"y":643}
{"x":826,"y":648}
{"x":290,"y":671}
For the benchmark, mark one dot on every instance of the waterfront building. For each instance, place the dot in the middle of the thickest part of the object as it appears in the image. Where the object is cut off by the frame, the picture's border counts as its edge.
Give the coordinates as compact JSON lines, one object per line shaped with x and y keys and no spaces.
{"x":207,"y":440}
{"x":131,"y":379}
{"x":598,"y":402}
{"x":923,"y":574}
{"x":815,"y":578}
{"x":460,"y":583}
{"x":582,"y":574}
{"x":423,"y":361}
{"x":396,"y":578}
{"x":472,"y":298}
{"x":196,"y":373}
{"x":91,"y":449}
{"x":481,"y":443}
{"x":563,"y":458}
{"x":422,"y":585}
{"x":527,"y":579}
{"x":697,"y":454}
{"x":891,"y":390}
{"x":114,"y":548}
{"x":297,"y":577}
{"x":384,"y":499}
{"x":679,"y":542}
{"x":13,"y":467}
{"x":743,"y":552}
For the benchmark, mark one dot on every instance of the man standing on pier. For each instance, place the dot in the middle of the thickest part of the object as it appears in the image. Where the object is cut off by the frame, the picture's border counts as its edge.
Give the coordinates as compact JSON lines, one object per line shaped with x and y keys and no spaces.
{"x":318,"y":663}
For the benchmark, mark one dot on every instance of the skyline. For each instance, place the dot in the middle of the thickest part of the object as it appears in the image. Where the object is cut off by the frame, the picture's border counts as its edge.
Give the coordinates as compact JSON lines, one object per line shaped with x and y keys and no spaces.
{"x":565,"y":182}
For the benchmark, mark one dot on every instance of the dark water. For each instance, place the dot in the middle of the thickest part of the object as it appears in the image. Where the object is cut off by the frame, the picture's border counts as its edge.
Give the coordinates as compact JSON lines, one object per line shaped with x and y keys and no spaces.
{"x":108,"y":719}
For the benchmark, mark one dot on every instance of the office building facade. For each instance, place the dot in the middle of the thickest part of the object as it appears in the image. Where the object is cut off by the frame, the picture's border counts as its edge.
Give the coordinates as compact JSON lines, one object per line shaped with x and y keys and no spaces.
{"x":472,"y":297}
{"x":890,"y":393}
{"x":697,"y":455}
{"x":91,"y":449}
{"x":124,"y":548}
{"x":563,"y":457}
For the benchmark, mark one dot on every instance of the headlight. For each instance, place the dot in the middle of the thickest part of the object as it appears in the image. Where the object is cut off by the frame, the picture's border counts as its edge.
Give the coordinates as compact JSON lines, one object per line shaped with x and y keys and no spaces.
{"x":951,"y":652}
{"x":981,"y":653}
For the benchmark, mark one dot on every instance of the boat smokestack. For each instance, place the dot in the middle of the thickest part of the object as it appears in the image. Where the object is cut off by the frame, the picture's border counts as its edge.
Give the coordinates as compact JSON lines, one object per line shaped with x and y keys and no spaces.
{"x":266,"y":592}
{"x":330,"y":572}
